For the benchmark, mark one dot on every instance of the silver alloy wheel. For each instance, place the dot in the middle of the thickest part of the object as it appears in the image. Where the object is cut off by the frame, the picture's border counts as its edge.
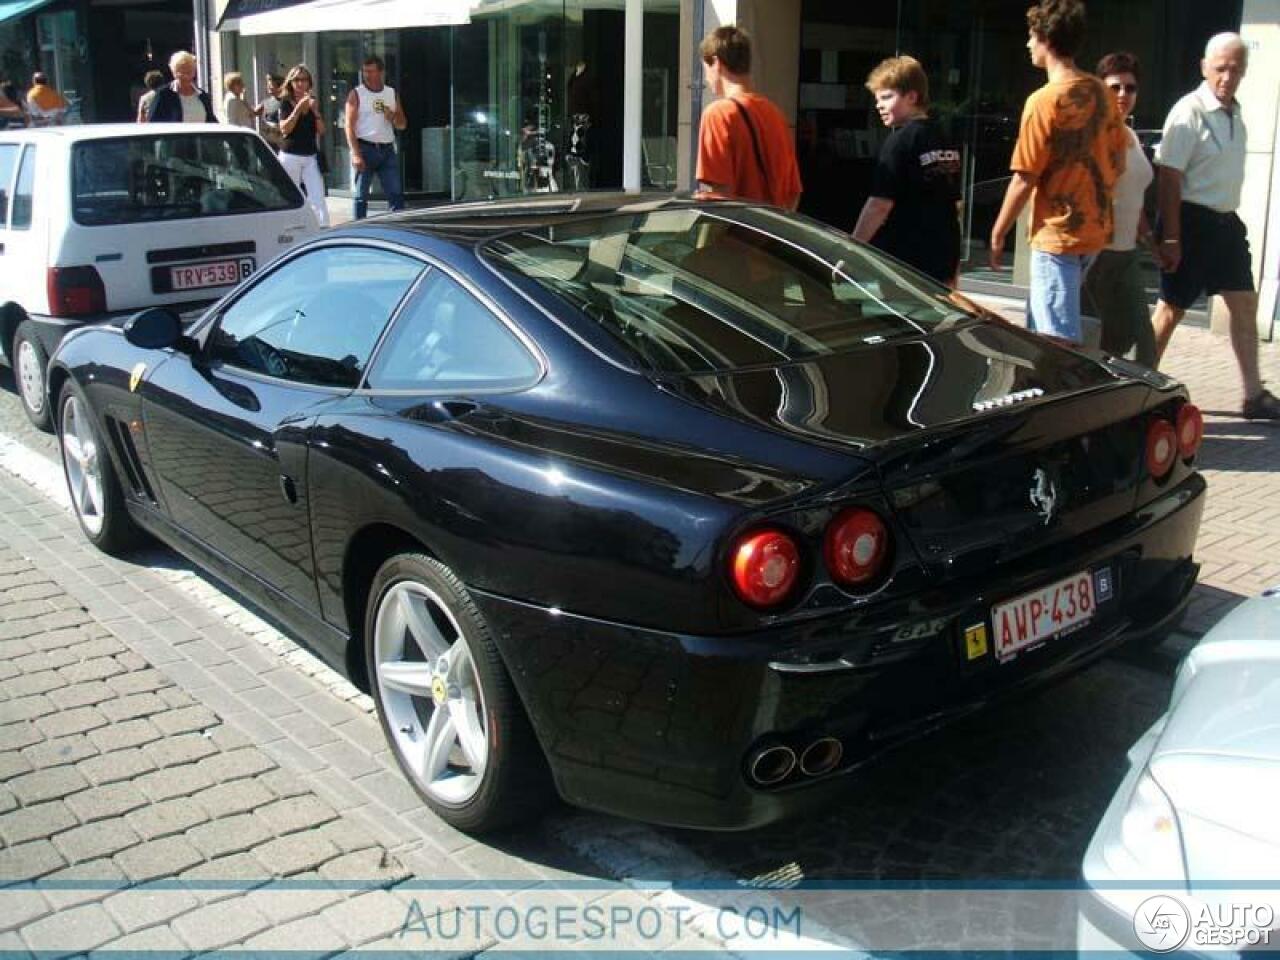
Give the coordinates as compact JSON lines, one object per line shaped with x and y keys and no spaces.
{"x":84,"y":473}
{"x":30,"y":376}
{"x":430,"y":694}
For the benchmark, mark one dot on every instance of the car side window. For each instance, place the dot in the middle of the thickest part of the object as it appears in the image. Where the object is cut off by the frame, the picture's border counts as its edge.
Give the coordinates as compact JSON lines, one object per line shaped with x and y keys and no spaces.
{"x":446,"y":339}
{"x":8,"y":157}
{"x":315,"y":319}
{"x":23,"y":190}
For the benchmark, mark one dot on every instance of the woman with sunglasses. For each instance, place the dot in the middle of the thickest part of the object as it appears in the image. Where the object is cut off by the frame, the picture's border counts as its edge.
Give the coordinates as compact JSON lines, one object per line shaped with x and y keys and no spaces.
{"x":301,"y":128}
{"x":1113,"y":288}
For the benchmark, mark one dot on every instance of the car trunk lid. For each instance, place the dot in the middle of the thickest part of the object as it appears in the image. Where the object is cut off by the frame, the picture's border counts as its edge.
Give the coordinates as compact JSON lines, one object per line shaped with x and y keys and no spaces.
{"x":979,"y":465}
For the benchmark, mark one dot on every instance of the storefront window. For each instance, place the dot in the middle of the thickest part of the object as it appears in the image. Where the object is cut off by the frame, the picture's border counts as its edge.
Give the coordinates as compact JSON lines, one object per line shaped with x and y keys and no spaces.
{"x":337,"y":73}
{"x":661,"y":93}
{"x":527,"y":98}
{"x":15,"y":44}
{"x":63,"y":57}
{"x":508,"y":101}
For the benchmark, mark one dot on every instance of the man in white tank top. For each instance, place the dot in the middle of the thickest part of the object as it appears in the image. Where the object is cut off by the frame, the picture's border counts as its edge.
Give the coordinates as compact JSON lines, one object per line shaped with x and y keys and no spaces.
{"x":374,"y":113}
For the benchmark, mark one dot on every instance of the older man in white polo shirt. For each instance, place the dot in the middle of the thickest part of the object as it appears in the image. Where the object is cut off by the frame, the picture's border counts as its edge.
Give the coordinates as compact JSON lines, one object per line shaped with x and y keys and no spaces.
{"x":1203,"y":246}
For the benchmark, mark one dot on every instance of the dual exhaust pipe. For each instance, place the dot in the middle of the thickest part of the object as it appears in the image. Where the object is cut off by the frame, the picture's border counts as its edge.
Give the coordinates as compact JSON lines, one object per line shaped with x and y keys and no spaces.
{"x":772,"y":764}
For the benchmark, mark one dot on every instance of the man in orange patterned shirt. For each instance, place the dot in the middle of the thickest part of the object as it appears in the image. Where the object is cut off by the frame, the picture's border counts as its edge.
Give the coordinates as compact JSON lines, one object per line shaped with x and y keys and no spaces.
{"x":1069,"y":154}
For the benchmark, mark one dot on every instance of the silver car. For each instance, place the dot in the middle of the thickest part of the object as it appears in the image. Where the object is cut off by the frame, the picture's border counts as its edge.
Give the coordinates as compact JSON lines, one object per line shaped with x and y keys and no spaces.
{"x":1187,"y":856}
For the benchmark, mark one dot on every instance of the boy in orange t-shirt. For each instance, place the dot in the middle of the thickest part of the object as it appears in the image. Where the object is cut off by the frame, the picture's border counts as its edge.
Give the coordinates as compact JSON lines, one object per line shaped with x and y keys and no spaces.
{"x":745,"y":149}
{"x":1069,"y":154}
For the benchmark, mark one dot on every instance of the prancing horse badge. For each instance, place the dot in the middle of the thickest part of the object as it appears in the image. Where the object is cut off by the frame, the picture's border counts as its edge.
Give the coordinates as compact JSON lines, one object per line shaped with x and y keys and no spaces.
{"x":135,"y":375}
{"x":1044,"y":494}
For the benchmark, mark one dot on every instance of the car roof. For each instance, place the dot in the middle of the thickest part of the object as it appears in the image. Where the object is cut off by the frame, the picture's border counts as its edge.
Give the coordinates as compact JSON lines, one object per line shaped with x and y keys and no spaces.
{"x":103,"y":131}
{"x":481,"y":220}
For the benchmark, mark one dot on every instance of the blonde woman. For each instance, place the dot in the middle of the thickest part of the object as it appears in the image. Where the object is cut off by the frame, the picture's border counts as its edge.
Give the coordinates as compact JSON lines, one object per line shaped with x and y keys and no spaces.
{"x":238,"y":113}
{"x":301,"y":128}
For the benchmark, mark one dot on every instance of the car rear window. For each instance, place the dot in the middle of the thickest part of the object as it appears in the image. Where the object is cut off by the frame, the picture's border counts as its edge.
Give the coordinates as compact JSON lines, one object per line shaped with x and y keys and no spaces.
{"x":176,"y":177}
{"x":722,"y":287}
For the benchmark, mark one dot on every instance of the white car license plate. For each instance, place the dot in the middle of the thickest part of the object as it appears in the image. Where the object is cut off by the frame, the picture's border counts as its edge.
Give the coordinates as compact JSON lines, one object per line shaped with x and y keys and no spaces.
{"x":1054,"y":609}
{"x":215,"y":273}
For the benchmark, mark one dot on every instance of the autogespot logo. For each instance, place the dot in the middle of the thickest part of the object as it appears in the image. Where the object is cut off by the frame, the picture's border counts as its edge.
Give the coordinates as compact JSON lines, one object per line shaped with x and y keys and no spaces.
{"x":1161,"y":923}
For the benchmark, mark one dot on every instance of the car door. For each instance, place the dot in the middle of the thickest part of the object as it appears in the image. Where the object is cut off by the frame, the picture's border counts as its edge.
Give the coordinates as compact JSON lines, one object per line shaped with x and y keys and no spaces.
{"x":226,"y":428}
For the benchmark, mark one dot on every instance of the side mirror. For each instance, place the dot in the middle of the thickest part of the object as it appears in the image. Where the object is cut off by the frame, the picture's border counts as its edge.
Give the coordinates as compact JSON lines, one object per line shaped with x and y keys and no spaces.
{"x":156,"y":328}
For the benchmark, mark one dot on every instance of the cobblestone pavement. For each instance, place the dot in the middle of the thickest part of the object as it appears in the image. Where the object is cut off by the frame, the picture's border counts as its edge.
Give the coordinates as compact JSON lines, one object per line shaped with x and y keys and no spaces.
{"x":1239,"y":544}
{"x":1011,"y":795}
{"x":114,"y":776}
{"x":162,"y":771}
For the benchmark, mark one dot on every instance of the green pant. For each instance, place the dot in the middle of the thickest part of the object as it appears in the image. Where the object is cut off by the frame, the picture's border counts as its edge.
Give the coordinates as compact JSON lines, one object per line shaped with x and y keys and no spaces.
{"x":1113,"y":293}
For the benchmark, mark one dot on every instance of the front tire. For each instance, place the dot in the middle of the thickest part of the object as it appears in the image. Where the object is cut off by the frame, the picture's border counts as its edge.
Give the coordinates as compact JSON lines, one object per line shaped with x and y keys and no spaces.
{"x":95,"y":491}
{"x":447,"y":705}
{"x":30,"y":366}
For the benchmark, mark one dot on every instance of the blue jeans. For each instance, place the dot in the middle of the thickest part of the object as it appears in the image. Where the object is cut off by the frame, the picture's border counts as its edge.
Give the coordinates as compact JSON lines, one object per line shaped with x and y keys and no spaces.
{"x":380,"y":159}
{"x":1053,"y":302}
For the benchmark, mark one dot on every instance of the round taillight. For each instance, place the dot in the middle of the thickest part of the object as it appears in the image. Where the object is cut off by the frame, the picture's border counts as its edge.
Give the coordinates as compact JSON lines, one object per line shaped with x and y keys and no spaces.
{"x":764,"y":566}
{"x":1190,"y":429}
{"x":856,"y":547}
{"x":1162,"y":447}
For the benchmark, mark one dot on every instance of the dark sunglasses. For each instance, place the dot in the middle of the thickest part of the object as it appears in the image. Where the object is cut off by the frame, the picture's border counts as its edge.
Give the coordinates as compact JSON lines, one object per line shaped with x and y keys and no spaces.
{"x":1126,"y":87}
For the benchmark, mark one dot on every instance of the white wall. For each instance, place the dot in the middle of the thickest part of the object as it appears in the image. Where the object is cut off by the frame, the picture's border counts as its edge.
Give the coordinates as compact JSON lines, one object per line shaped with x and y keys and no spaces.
{"x":1260,"y":202}
{"x":1260,"y":205}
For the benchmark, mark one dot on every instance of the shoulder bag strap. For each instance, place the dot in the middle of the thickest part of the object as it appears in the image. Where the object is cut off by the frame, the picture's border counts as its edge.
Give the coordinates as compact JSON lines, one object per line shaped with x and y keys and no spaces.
{"x":755,"y":143}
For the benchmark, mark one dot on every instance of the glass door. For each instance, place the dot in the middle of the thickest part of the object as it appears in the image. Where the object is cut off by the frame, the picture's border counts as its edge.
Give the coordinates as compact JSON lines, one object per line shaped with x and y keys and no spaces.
{"x":338,"y":60}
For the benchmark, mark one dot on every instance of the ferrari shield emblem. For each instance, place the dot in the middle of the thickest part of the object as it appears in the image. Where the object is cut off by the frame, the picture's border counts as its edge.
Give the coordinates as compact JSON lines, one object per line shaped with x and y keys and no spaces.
{"x":975,"y":641}
{"x":135,"y":375}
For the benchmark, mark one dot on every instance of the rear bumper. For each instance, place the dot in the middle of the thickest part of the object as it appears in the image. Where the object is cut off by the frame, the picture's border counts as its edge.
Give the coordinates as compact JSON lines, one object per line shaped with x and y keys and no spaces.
{"x":661,"y":726}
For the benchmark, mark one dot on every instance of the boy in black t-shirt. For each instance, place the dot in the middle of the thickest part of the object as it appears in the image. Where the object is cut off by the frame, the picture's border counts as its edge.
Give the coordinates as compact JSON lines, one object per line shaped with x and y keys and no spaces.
{"x":912,"y":211}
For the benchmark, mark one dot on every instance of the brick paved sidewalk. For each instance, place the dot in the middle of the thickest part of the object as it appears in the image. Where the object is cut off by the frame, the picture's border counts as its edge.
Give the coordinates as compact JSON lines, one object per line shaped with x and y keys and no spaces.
{"x":115,"y":777}
{"x":167,"y":782}
{"x":1239,"y":543}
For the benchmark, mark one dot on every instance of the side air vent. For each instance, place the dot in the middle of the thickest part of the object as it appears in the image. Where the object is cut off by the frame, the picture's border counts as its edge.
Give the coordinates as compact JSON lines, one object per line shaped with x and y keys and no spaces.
{"x":134,"y":473}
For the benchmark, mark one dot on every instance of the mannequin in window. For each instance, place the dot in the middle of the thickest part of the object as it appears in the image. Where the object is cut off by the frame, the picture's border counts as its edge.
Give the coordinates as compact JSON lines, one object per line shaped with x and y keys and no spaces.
{"x":581,"y":101}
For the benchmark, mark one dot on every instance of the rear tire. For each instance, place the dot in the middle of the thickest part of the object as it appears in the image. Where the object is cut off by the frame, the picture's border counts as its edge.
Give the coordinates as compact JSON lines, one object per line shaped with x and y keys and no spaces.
{"x":30,"y":370}
{"x":96,"y":496}
{"x":446,"y":703}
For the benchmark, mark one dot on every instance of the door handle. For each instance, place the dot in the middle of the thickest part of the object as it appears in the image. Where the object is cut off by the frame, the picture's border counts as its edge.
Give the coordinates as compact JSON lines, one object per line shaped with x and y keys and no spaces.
{"x":288,"y":489}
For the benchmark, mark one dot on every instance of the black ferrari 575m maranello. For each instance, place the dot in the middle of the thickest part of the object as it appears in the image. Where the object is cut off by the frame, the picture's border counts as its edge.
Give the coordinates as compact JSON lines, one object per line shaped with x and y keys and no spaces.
{"x":684,"y":511}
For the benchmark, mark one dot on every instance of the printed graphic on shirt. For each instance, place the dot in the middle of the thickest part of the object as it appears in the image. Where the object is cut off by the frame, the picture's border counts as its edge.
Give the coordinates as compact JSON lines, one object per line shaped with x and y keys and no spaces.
{"x":1073,"y":142}
{"x":1081,"y":120}
{"x":940,"y":163}
{"x":919,"y":170}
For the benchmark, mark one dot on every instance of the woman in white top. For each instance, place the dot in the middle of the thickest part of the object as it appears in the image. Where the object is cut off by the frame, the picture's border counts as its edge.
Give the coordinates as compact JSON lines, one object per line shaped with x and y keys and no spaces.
{"x":1113,"y":288}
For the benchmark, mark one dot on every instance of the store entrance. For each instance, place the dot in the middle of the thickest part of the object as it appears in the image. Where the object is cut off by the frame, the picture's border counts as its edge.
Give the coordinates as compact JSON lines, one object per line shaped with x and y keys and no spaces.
{"x":974,"y":52}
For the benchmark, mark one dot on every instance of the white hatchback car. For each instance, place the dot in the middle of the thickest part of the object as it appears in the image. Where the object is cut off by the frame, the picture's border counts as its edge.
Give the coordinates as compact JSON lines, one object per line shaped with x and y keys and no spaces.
{"x":97,"y":222}
{"x":1187,"y":856}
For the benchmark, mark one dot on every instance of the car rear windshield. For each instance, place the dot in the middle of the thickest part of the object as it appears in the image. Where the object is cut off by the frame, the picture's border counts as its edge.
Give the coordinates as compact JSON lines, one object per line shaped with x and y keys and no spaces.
{"x":176,"y":177}
{"x":720,"y":287}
